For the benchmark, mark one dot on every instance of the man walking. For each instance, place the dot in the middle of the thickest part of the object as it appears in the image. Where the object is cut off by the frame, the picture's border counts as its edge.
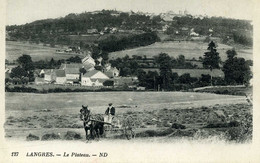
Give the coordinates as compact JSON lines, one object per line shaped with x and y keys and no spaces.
{"x":110,"y":112}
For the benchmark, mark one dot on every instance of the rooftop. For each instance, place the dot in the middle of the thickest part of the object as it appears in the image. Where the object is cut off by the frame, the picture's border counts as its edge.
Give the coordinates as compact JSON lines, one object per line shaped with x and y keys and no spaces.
{"x":60,"y":73}
{"x":90,"y":73}
{"x":72,"y":71}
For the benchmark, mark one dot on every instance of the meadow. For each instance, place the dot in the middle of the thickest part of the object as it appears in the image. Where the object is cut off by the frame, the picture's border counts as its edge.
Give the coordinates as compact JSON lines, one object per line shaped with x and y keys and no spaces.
{"x":153,"y":112}
{"x":98,"y":101}
{"x":16,"y":49}
{"x":190,"y":49}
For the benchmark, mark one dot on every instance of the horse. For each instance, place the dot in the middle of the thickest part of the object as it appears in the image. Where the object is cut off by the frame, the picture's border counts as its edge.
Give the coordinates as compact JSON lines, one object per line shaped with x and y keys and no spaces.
{"x":92,"y":123}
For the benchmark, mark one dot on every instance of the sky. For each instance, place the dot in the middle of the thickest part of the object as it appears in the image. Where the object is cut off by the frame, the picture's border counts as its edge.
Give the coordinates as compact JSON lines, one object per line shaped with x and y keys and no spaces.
{"x":25,"y":11}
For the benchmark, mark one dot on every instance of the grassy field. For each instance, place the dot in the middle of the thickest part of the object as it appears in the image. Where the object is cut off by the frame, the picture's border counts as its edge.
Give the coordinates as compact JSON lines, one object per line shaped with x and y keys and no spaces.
{"x":190,"y":49}
{"x":37,"y":52}
{"x":97,"y":101}
{"x":152,"y":112}
{"x":187,"y":48}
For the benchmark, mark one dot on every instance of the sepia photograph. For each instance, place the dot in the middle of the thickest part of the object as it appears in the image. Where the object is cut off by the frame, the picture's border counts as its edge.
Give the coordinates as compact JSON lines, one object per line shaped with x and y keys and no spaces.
{"x":128,"y":81}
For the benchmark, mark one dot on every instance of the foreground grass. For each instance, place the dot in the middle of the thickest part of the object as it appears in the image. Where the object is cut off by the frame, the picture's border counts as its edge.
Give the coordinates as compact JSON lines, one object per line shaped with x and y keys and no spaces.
{"x":224,"y":122}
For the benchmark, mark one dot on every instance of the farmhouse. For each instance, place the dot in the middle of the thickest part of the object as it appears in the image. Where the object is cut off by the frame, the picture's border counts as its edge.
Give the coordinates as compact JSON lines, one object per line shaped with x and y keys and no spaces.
{"x":60,"y":77}
{"x":122,"y":81}
{"x":88,"y":60}
{"x":72,"y":74}
{"x":39,"y":81}
{"x":49,"y":75}
{"x":112,"y":72}
{"x":93,"y":78}
{"x":71,"y":65}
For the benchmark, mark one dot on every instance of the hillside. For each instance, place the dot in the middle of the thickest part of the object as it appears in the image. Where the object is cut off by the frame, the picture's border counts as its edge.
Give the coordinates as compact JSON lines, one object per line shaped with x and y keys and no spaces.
{"x":15,"y":49}
{"x":190,"y":49}
{"x":72,"y":29}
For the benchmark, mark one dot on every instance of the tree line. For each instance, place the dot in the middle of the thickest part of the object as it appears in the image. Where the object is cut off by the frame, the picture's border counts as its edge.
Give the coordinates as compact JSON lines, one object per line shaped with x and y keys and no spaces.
{"x":236,"y":71}
{"x":112,"y":43}
{"x":74,"y":24}
{"x":56,"y":31}
{"x":25,"y":71}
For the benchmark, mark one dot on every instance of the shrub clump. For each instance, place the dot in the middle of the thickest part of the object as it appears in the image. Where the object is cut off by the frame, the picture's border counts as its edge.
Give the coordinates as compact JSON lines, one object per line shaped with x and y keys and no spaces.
{"x":153,"y":133}
{"x":178,"y":126}
{"x":223,"y":125}
{"x":184,"y":133}
{"x":32,"y":137}
{"x":51,"y":136}
{"x":71,"y":135}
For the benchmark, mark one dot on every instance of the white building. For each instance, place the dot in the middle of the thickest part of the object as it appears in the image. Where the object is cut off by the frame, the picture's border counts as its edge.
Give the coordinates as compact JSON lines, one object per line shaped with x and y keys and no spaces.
{"x":49,"y":75}
{"x":112,"y":72}
{"x":39,"y":81}
{"x":93,"y":78}
{"x":72,"y":74}
{"x":88,"y":60}
{"x":72,"y":71}
{"x":60,"y":77}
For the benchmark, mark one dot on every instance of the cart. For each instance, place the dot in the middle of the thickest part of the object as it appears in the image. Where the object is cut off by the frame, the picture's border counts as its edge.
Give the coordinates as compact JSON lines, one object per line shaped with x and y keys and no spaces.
{"x":120,"y":126}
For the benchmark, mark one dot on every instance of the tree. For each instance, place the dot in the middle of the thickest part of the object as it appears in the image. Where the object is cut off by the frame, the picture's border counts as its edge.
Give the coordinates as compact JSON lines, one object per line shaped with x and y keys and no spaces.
{"x":165,"y":66}
{"x":25,"y":80}
{"x":108,"y":83}
{"x":151,"y":80}
{"x":186,"y":79}
{"x":181,"y":59}
{"x":126,"y":71}
{"x":82,"y":72}
{"x":236,"y":70}
{"x":175,"y":77}
{"x":18,"y":72}
{"x":52,"y":63}
{"x":75,"y":59}
{"x":16,"y":80}
{"x":205,"y":79}
{"x":27,"y":65}
{"x":141,"y":74}
{"x":211,"y":58}
{"x":25,"y":61}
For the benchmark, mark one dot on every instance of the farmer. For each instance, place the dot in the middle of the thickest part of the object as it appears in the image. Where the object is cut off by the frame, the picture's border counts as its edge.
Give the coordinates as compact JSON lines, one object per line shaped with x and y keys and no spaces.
{"x":110,"y":112}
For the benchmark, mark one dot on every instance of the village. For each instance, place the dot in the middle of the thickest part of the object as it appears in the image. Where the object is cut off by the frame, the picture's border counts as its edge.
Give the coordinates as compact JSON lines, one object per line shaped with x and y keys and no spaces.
{"x":83,"y":74}
{"x":104,"y":77}
{"x":78,"y":75}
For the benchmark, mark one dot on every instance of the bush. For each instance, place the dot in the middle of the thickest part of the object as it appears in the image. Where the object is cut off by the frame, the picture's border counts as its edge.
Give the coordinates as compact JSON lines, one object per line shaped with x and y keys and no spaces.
{"x":32,"y":137}
{"x":165,"y":132}
{"x":184,"y":133}
{"x":71,"y":135}
{"x":223,"y":125}
{"x":21,"y":89}
{"x":153,"y":133}
{"x":178,"y":126}
{"x":236,"y":134}
{"x":51,"y":136}
{"x":108,"y":83}
{"x":147,"y":133}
